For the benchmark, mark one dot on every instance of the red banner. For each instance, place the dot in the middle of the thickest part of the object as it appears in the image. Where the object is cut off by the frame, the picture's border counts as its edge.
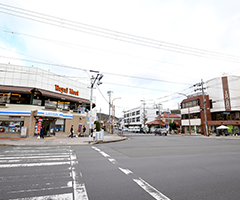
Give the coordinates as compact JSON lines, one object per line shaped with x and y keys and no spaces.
{"x":39,"y":126}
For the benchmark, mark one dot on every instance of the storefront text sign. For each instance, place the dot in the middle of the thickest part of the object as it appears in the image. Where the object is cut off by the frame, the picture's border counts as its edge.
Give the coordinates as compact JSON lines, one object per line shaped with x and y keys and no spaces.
{"x":66,"y":90}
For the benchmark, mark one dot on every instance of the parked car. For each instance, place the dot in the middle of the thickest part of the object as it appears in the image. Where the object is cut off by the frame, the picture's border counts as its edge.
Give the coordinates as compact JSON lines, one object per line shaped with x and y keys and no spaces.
{"x":136,"y":129}
{"x":144,"y":130}
{"x":125,"y":129}
{"x":152,"y":130}
{"x":160,"y":132}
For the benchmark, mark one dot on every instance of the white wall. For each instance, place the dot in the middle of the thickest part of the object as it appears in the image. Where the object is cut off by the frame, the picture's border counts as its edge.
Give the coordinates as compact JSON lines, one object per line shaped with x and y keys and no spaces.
{"x":39,"y":78}
{"x":215,"y":91}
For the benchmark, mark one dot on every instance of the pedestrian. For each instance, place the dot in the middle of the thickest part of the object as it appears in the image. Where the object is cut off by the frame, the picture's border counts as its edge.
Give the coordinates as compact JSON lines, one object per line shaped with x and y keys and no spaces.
{"x":71,"y":132}
{"x":84,"y":130}
{"x":42,"y":132}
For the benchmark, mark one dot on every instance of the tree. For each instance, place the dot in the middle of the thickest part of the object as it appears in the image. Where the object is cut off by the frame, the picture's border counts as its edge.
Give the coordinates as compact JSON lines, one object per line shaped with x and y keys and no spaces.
{"x":173,"y":125}
{"x":98,"y":125}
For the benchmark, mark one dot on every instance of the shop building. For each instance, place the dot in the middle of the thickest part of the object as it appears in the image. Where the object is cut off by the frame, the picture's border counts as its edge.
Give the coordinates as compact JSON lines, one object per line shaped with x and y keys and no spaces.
{"x":32,"y":98}
{"x":222,"y":106}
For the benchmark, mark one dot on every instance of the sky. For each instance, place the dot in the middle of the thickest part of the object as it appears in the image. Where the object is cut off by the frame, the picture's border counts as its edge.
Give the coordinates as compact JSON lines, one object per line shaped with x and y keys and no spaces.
{"x":149,"y":50}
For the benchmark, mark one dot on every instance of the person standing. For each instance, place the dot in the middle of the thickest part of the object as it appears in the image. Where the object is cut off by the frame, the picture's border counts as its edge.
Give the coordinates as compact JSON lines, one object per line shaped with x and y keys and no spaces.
{"x":42,"y":132}
{"x":84,"y":130}
{"x":71,"y":132}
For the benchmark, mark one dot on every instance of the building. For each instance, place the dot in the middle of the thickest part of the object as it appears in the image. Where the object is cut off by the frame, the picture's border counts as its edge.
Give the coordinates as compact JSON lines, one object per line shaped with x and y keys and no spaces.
{"x":140,"y":116}
{"x":164,"y":119}
{"x":222,"y":106}
{"x":32,"y":98}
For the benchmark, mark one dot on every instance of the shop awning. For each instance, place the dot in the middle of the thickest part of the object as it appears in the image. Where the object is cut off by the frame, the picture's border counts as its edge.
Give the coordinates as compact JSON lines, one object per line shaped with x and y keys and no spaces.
{"x":23,"y":90}
{"x":63,"y":97}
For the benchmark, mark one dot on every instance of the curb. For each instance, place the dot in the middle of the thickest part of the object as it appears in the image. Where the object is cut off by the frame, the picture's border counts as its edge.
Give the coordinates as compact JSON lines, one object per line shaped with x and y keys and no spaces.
{"x":109,"y":141}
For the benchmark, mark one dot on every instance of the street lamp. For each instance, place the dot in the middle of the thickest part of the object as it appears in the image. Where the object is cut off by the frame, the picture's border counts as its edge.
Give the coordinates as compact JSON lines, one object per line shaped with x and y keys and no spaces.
{"x":112,"y":114}
{"x":189,"y":123}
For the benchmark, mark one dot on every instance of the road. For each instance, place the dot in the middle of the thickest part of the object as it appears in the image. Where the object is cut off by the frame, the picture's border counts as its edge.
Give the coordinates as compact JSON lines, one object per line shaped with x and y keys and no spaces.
{"x":144,"y":167}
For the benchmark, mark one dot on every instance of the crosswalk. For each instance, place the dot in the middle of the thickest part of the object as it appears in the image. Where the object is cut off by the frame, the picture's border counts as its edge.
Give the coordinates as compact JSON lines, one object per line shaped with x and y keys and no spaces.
{"x":29,"y":173}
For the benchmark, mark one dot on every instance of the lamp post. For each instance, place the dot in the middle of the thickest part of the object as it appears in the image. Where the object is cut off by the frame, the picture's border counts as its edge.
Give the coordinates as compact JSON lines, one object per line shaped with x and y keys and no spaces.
{"x":112,"y":114}
{"x":189,"y":121}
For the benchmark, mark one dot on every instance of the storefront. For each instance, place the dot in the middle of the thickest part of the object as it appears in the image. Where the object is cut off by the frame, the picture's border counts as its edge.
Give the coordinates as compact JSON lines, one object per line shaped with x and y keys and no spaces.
{"x":35,"y":98}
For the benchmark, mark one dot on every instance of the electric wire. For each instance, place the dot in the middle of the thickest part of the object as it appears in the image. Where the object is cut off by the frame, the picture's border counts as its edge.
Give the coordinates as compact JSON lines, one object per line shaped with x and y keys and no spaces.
{"x":116,"y":35}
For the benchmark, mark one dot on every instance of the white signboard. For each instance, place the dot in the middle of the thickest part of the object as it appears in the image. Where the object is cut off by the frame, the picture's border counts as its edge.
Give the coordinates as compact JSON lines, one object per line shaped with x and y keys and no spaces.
{"x":24,"y":131}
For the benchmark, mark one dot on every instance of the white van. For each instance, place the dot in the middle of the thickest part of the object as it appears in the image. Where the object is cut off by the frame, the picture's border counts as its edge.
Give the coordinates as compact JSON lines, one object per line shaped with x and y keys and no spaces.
{"x":136,"y":129}
{"x":130,"y":128}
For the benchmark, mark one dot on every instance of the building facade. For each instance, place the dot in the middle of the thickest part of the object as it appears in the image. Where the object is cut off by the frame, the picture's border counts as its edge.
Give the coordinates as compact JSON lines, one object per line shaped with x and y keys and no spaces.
{"x":33,"y":98}
{"x":222,"y":106}
{"x":140,"y":116}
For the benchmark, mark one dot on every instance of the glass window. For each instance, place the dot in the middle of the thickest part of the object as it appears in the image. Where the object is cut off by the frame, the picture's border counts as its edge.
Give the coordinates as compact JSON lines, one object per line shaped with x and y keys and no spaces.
{"x":60,"y":125}
{"x":5,"y":97}
{"x":11,"y":124}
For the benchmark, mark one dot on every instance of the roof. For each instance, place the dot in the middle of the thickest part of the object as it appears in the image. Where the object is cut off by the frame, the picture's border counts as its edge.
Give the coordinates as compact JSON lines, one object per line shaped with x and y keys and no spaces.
{"x":170,"y":115}
{"x":155,"y":122}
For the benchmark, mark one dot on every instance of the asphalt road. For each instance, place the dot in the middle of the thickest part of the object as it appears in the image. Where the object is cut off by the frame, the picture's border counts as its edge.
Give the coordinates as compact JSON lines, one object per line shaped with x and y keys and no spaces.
{"x":144,"y":167}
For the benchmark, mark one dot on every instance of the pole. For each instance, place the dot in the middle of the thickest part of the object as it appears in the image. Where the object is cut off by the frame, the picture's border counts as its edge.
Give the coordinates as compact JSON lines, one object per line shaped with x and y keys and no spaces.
{"x":159,"y":112}
{"x":109,"y":93}
{"x":168,"y":121}
{"x":189,"y":121}
{"x":204,"y":107}
{"x":113,"y":114}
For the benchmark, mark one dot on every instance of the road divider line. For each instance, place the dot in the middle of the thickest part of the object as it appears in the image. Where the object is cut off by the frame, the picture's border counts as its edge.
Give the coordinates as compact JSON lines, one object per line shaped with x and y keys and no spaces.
{"x":150,"y":189}
{"x":125,"y":171}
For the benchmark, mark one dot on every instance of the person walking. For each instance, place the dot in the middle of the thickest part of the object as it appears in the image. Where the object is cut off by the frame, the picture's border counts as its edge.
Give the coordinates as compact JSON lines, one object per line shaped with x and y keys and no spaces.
{"x":71,"y":132}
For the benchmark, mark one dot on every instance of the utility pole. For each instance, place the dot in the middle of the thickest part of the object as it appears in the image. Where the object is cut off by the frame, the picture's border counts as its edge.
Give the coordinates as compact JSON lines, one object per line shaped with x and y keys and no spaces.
{"x":93,"y":80}
{"x":204,"y":102}
{"x":159,"y":112}
{"x":109,"y":93}
{"x":144,"y":113}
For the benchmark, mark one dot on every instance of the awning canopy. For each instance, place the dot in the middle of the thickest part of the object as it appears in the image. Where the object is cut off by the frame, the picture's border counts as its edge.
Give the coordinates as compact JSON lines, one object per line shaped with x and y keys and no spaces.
{"x":27,"y":90}
{"x":222,"y":127}
{"x":23,"y":90}
{"x":63,"y":97}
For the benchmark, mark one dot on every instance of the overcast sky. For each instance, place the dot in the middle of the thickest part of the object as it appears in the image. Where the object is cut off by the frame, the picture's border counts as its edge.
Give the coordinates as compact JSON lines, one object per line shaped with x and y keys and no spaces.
{"x":187,"y":41}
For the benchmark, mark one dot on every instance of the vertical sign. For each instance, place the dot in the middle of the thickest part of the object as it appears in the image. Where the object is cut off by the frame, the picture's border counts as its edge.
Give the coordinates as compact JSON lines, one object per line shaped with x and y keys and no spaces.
{"x":226,"y":94}
{"x":39,"y":126}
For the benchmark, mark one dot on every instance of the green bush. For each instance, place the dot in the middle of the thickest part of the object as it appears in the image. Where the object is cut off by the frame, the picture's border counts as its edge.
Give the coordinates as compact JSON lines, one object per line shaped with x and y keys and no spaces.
{"x":98,"y":125}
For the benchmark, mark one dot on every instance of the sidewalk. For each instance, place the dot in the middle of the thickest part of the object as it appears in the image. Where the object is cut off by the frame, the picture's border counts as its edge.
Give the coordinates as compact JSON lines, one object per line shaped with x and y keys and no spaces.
{"x":61,"y":140}
{"x":210,"y":136}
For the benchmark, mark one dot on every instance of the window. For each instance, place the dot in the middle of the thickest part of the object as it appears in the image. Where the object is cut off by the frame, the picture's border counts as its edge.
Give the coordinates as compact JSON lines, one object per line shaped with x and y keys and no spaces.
{"x":60,"y":125}
{"x":9,"y":124}
{"x":138,"y":112}
{"x":138,"y":119}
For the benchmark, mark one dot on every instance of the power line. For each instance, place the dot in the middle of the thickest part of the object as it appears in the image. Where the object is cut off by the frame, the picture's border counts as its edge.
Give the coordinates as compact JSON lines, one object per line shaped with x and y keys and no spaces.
{"x":110,"y":34}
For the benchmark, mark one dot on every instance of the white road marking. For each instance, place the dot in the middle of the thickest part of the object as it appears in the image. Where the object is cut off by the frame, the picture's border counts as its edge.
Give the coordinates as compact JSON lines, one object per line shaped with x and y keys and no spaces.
{"x":113,"y":161}
{"x":33,"y":157}
{"x":81,"y":192}
{"x":104,"y":154}
{"x":34,"y":164}
{"x":67,"y":196}
{"x":150,"y":189}
{"x":125,"y":171}
{"x":44,"y":159}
